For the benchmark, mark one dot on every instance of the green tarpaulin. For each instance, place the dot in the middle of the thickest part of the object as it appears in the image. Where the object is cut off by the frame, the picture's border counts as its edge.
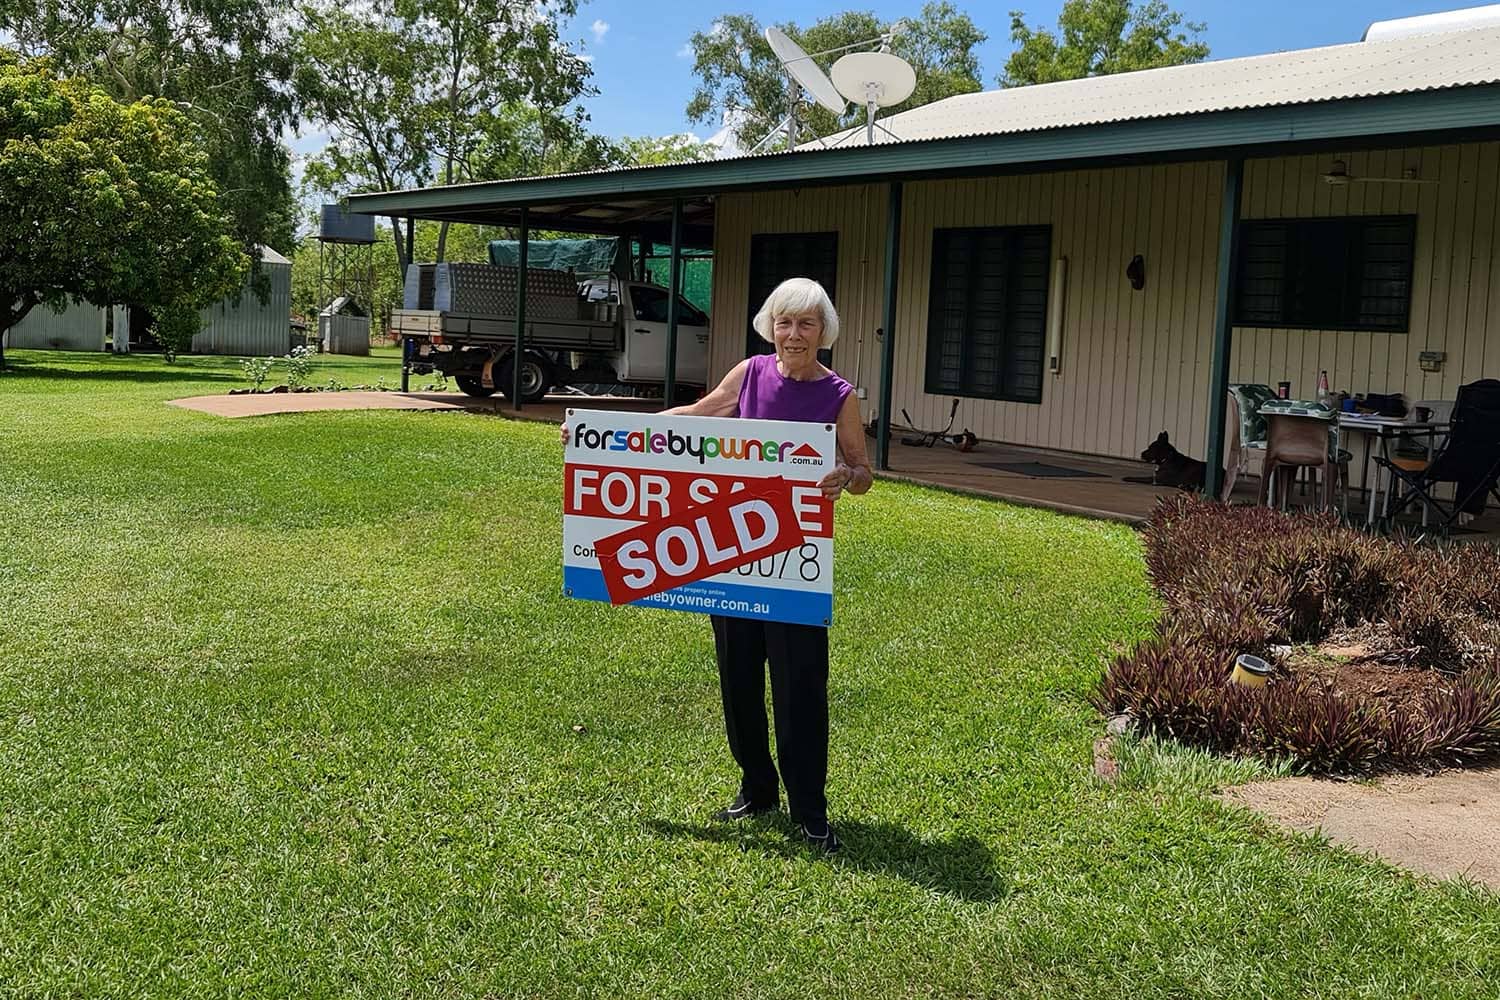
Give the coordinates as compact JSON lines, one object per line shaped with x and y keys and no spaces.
{"x":588,"y":257}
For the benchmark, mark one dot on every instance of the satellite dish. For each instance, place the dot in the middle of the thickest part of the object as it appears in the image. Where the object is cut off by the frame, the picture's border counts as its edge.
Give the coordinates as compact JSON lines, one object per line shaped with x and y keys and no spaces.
{"x":875,"y":80}
{"x":801,"y":68}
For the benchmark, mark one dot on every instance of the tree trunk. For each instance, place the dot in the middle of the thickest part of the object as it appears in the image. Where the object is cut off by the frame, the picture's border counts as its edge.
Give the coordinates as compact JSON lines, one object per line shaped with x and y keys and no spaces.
{"x":442,"y":245}
{"x":403,"y":248}
{"x":15,"y":310}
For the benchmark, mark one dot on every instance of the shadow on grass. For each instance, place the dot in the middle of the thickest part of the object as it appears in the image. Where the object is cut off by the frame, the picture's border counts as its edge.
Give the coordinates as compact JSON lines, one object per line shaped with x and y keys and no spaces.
{"x":21,"y":368}
{"x":961,"y":866}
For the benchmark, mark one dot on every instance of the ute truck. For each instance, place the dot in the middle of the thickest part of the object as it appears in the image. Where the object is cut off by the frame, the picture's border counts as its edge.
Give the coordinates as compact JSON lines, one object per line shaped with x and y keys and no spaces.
{"x":602,"y":333}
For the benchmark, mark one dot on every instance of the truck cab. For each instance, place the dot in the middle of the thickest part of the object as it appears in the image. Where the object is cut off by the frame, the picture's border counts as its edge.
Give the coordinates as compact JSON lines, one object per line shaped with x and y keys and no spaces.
{"x":643,"y":316}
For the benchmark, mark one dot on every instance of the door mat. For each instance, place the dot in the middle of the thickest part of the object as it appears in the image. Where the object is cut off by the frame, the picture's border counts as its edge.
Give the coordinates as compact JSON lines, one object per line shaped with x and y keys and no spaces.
{"x":1041,"y":470}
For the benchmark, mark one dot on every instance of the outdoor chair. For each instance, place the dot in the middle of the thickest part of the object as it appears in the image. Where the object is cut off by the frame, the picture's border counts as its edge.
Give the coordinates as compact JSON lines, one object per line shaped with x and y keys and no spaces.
{"x":1247,"y":430}
{"x":1469,"y":458}
{"x":1299,"y":435}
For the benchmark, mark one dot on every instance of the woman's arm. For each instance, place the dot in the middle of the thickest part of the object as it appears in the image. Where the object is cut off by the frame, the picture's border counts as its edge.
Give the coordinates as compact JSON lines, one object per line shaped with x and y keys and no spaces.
{"x":853,"y":472}
{"x":723,"y":401}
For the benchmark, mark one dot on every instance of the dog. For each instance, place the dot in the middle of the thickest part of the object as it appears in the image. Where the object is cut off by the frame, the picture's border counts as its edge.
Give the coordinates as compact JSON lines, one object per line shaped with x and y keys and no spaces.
{"x":1173,"y":468}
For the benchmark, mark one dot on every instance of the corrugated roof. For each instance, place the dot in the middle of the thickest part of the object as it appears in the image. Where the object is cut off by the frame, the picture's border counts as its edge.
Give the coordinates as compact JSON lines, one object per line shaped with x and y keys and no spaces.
{"x":1396,"y":87}
{"x":1437,"y":61}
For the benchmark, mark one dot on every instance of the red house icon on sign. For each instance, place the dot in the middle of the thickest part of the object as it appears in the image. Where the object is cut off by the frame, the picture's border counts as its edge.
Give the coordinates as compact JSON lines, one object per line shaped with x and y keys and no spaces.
{"x":806,"y":451}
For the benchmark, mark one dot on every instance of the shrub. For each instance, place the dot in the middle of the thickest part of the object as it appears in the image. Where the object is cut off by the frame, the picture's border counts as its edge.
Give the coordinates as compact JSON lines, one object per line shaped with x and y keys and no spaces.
{"x":1242,"y":580}
{"x":299,"y":366}
{"x":257,"y":370}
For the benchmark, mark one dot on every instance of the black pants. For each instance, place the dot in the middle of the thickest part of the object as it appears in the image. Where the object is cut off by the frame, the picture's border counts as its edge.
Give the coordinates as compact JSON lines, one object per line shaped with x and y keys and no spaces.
{"x":799,"y":697}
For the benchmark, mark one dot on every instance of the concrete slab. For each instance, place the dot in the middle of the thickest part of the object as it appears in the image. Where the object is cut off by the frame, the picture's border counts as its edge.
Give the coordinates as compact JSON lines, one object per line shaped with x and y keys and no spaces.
{"x":1446,"y":825}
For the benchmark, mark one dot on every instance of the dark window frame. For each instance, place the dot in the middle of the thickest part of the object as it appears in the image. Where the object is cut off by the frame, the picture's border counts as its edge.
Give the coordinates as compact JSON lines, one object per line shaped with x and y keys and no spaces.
{"x":1300,"y":237}
{"x":934,"y":383}
{"x":827,"y":241}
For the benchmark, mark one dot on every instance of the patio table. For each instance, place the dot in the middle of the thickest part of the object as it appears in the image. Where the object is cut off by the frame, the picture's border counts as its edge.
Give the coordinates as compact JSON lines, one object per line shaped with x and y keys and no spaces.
{"x":1382,"y":431}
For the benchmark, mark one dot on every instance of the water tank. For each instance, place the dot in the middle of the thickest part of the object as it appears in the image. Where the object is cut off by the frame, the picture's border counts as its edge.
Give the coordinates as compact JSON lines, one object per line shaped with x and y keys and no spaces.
{"x":338,"y":225}
{"x":1487,"y":16}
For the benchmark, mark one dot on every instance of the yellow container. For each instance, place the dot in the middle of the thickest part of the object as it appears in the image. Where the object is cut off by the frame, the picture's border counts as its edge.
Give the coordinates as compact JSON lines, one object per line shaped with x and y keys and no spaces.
{"x":1250,"y":671}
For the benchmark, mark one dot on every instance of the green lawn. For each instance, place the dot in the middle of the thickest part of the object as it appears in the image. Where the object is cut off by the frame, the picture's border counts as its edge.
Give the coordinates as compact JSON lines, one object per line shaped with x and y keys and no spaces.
{"x":287,"y":708}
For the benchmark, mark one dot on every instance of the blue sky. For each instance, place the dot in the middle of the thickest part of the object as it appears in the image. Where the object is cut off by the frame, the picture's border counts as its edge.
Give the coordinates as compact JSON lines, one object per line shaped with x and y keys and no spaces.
{"x":645,"y":78}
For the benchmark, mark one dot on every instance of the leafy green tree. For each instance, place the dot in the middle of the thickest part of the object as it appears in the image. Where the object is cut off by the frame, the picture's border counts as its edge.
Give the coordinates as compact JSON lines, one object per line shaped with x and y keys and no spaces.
{"x":651,"y":151}
{"x":226,"y":64}
{"x":416,"y":92}
{"x":739,"y":75}
{"x":104,"y":202}
{"x":1098,"y":37}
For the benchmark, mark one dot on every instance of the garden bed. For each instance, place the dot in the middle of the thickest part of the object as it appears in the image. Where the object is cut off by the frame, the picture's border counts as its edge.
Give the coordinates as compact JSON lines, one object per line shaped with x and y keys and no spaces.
{"x":1384,"y":654}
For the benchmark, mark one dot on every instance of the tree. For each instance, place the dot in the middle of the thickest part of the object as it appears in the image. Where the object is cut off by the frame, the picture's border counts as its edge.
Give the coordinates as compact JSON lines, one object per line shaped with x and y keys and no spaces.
{"x":1098,"y":37}
{"x":739,"y":76}
{"x":651,"y":151}
{"x":104,"y":202}
{"x":416,"y":92}
{"x":227,"y":64}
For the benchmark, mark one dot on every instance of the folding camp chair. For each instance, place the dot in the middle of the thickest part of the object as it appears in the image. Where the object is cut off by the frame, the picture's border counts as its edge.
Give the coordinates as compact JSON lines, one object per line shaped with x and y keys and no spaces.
{"x":1470,"y":459}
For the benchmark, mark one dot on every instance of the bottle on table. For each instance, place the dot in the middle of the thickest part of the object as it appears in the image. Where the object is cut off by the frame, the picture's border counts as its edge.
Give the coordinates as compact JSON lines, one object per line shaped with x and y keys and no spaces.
{"x":1323,"y":395}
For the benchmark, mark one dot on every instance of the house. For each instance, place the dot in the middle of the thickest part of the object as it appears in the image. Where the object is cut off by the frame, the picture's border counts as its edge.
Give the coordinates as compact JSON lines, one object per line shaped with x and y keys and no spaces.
{"x":1087,"y":263}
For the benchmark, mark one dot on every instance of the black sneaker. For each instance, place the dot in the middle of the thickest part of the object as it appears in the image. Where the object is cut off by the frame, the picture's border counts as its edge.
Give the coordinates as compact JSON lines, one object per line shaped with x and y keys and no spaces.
{"x":821,"y":837}
{"x":742,"y":808}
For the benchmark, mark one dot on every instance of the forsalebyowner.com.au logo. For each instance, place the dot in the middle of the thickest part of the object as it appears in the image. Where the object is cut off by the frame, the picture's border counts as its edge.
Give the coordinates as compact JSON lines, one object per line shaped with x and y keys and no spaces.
{"x":700,"y":446}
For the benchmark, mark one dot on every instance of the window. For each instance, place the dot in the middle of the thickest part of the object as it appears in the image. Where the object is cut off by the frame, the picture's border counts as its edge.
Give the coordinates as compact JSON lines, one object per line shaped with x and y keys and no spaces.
{"x":1351,"y":273}
{"x":987,"y":313}
{"x":774,"y":257}
{"x":650,"y":304}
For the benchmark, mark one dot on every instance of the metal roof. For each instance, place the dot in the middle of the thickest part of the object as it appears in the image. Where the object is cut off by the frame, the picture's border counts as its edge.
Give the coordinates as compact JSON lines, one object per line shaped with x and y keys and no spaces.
{"x":1404,"y":65}
{"x":1385,"y":91}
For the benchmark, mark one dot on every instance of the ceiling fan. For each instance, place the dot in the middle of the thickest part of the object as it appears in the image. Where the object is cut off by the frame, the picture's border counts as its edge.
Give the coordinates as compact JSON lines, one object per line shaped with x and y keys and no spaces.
{"x":1338,"y":175}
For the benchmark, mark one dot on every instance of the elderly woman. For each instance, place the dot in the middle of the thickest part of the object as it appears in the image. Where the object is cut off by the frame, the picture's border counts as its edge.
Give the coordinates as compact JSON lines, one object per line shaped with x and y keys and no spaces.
{"x":791,"y":384}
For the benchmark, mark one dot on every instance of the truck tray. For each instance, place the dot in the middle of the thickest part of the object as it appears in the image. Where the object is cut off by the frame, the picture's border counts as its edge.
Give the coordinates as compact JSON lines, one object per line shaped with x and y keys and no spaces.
{"x":473,"y":328}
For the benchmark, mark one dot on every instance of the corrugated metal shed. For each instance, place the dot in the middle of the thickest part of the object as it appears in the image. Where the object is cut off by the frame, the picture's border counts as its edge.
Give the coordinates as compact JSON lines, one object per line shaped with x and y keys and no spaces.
{"x":76,"y":328}
{"x":1403,"y":65}
{"x":249,"y":326}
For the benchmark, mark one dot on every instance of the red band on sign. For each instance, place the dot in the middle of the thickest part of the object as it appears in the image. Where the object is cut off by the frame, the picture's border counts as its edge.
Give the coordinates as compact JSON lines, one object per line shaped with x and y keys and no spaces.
{"x":649,"y":494}
{"x":695,"y":544}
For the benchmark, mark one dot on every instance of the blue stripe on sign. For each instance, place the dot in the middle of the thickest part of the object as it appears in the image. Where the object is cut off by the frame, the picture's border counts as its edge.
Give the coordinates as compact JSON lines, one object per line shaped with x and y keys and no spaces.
{"x":734,"y":600}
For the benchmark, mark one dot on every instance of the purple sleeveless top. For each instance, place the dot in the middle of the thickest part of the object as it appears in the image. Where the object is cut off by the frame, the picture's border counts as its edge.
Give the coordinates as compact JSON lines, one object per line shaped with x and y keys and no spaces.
{"x":766,"y":394}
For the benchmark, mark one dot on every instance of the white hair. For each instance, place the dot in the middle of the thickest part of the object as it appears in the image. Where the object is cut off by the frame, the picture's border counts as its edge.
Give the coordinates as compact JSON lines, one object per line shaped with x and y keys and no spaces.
{"x":795,"y":297}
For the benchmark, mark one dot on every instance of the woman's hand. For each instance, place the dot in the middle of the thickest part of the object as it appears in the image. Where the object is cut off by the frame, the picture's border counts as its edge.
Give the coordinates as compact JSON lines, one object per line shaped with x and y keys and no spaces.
{"x":565,"y":435}
{"x":844,"y":477}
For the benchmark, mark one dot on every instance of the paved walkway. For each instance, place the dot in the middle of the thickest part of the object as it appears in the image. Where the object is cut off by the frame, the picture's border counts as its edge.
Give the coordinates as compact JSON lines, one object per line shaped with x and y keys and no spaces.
{"x":1446,"y":825}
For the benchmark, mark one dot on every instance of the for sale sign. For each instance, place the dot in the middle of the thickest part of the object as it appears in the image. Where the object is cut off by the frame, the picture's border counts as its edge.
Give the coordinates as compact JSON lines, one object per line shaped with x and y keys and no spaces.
{"x":704,"y":514}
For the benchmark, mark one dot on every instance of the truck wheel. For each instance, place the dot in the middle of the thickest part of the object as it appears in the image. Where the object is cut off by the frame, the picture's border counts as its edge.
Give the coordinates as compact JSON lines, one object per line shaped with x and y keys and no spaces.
{"x":536,"y":377}
{"x":472,"y":386}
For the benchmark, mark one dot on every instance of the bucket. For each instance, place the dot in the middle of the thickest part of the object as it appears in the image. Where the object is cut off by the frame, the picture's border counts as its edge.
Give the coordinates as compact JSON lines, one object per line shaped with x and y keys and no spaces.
{"x":1250,"y":671}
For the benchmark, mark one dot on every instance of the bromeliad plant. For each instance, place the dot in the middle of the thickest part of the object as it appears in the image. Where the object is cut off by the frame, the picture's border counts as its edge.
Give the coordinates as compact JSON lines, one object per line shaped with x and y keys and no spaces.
{"x":1252,"y":580}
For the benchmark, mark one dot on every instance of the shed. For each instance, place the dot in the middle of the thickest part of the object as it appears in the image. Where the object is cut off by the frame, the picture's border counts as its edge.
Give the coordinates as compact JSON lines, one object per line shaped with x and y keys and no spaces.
{"x":343,"y":327}
{"x":79,"y":327}
{"x":243,"y":324}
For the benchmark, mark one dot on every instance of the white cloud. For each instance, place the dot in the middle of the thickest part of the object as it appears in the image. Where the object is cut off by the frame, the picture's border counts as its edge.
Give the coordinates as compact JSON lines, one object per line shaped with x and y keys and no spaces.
{"x":686,"y":52}
{"x":600,"y":28}
{"x":585,"y":57}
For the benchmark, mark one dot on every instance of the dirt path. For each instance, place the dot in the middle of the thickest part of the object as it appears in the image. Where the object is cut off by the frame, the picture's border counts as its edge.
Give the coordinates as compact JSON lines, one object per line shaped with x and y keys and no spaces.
{"x":263,"y":404}
{"x":1446,"y":825}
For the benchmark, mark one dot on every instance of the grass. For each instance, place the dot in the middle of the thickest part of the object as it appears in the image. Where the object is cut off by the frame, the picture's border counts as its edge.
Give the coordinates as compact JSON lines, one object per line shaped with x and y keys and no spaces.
{"x":287,"y":709}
